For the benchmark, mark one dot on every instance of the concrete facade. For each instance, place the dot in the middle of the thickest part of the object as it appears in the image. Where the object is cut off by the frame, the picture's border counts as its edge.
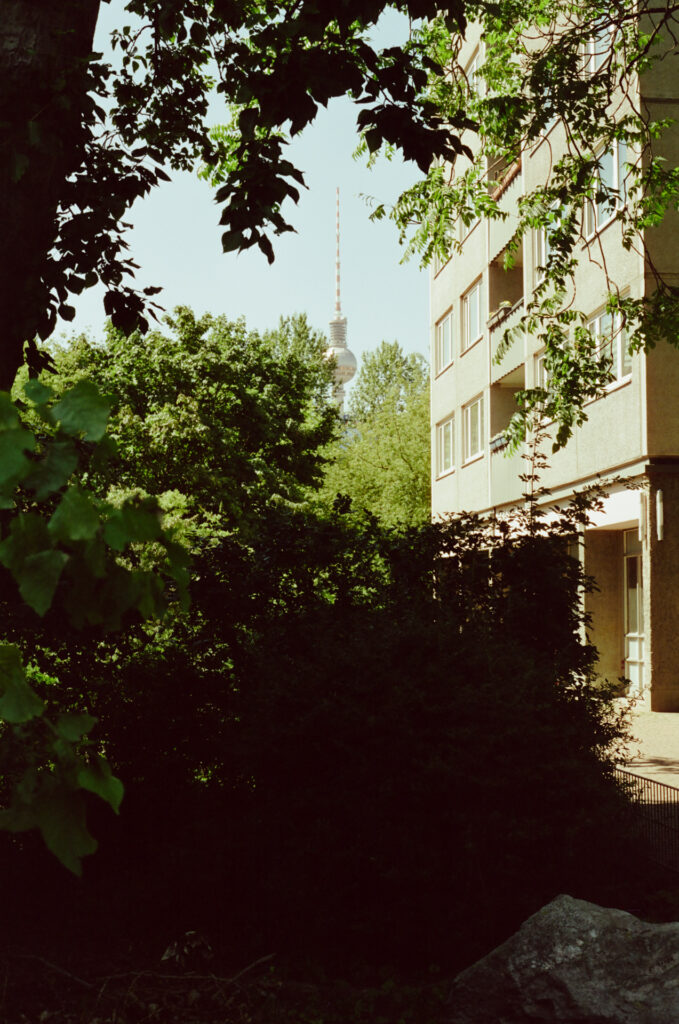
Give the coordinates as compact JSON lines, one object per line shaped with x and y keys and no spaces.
{"x":632,"y":432}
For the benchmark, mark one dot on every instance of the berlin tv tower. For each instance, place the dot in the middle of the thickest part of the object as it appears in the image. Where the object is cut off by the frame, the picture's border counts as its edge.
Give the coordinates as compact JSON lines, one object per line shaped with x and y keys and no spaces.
{"x":345,"y":361}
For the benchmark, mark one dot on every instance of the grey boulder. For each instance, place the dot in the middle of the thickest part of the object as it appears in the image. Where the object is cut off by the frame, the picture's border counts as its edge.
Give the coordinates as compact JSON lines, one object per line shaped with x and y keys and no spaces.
{"x":574,"y":963}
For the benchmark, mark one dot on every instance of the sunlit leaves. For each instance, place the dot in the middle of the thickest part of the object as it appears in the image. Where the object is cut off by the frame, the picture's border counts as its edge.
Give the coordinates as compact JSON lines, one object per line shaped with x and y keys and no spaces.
{"x":80,"y":541}
{"x":83,"y":410}
{"x":68,"y":540}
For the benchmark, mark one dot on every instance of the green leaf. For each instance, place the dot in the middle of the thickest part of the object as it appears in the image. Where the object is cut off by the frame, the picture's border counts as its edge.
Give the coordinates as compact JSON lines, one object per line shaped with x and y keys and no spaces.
{"x":60,"y":815}
{"x":54,"y":470}
{"x":83,"y":410}
{"x":18,"y":818}
{"x":19,"y":702}
{"x":98,"y":778}
{"x":178,"y":564}
{"x":9,"y":414}
{"x":74,"y":726}
{"x":75,"y":517}
{"x":27,"y":535}
{"x":231,"y":240}
{"x":38,"y":578}
{"x":11,"y":665}
{"x":373,"y":138}
{"x":13,"y":462}
{"x":129,"y":525}
{"x":37,"y":392}
{"x":150,"y":595}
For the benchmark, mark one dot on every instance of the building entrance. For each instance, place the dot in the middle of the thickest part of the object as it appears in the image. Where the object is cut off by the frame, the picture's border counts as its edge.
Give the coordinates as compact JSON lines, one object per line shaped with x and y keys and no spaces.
{"x":634,"y":611}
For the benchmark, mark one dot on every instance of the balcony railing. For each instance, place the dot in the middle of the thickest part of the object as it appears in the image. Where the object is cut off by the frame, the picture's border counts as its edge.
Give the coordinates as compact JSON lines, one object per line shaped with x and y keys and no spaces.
{"x":505,"y":317}
{"x":499,"y":318}
{"x":507,"y":195}
{"x":498,"y":443}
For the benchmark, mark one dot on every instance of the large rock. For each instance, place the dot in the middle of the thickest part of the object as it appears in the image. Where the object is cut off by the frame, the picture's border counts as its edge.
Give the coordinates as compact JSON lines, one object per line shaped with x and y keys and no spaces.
{"x":575,"y":963}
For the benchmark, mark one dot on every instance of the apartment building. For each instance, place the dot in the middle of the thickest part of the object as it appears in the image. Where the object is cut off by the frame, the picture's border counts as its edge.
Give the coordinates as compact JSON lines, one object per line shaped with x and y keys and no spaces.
{"x":632,"y":433}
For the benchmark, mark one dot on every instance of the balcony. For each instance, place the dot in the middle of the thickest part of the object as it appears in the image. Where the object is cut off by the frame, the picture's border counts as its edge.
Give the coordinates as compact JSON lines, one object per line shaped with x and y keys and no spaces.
{"x":505,"y":470}
{"x":506,"y":193}
{"x":503,"y":319}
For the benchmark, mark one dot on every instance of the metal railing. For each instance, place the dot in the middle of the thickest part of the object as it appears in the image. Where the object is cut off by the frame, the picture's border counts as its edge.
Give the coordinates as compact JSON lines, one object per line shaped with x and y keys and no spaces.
{"x":655,"y":808}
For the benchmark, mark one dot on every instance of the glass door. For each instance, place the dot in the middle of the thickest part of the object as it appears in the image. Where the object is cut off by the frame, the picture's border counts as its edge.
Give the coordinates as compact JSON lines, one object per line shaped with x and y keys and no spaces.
{"x":634,"y":612}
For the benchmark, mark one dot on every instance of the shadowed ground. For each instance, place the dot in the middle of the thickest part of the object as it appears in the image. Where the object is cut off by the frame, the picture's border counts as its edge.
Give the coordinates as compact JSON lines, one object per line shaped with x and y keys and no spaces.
{"x":656,"y":750}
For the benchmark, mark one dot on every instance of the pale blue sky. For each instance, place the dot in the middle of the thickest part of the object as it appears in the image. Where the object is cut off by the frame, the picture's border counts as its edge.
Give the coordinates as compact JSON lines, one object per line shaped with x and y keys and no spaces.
{"x":176,"y":241}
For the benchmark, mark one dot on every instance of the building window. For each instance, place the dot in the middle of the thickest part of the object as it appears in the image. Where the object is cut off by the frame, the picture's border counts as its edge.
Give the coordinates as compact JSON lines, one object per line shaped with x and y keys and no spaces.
{"x":611,"y":342}
{"x":542,"y":250}
{"x":598,"y":49}
{"x":474,"y":81}
{"x":634,"y":610}
{"x":472,"y":315}
{"x":473,"y":429}
{"x":610,"y":177}
{"x":543,"y":241}
{"x":541,"y":374}
{"x":445,"y":446}
{"x":444,"y":342}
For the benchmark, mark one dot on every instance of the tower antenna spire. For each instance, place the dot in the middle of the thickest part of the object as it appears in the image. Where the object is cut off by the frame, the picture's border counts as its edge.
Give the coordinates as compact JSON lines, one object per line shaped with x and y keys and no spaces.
{"x":338,"y":306}
{"x":345,"y":361}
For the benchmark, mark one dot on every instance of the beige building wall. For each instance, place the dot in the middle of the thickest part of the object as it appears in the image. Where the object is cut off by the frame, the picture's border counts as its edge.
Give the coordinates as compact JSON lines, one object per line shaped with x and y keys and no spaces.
{"x":632,"y":432}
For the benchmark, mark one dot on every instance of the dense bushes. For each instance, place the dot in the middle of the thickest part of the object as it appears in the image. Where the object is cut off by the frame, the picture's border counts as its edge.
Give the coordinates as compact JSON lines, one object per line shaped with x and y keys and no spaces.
{"x":361,"y":741}
{"x":358,"y":748}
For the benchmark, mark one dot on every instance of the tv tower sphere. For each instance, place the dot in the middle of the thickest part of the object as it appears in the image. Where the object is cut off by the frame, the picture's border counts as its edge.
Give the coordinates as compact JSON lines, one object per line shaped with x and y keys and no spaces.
{"x":345,"y":360}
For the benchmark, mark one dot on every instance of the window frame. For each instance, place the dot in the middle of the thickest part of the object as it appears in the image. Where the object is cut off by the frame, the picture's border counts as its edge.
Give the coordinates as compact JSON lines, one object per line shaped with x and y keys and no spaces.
{"x":467,"y":454}
{"x":540,"y":374}
{"x":593,"y":58}
{"x":543,"y":248}
{"x":541,"y":254}
{"x":441,"y":469}
{"x":622,"y":362}
{"x":475,"y":84}
{"x":592,"y":222}
{"x":439,"y":364}
{"x":466,"y":341}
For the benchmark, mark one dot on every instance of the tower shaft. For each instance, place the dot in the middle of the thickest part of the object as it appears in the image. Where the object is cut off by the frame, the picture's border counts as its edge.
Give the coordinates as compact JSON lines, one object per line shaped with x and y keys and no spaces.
{"x":345,"y":362}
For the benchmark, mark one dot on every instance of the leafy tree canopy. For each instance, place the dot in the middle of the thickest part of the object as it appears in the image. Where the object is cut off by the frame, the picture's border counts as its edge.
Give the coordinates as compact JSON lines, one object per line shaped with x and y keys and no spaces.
{"x":386,"y":373}
{"x":381,"y":460}
{"x":215,"y":417}
{"x":70,"y":559}
{"x":83,"y":137}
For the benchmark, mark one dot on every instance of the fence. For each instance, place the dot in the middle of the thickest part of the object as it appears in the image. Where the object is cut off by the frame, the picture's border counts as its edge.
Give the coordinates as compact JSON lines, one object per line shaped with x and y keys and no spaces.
{"x":656,"y":816}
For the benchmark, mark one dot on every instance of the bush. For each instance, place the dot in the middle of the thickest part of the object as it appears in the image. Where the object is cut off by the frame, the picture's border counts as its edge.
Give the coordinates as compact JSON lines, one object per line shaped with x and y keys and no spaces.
{"x":366,"y":743}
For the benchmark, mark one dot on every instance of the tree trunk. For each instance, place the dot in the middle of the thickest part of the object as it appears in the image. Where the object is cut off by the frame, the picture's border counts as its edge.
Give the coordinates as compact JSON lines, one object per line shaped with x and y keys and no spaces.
{"x":44,"y":51}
